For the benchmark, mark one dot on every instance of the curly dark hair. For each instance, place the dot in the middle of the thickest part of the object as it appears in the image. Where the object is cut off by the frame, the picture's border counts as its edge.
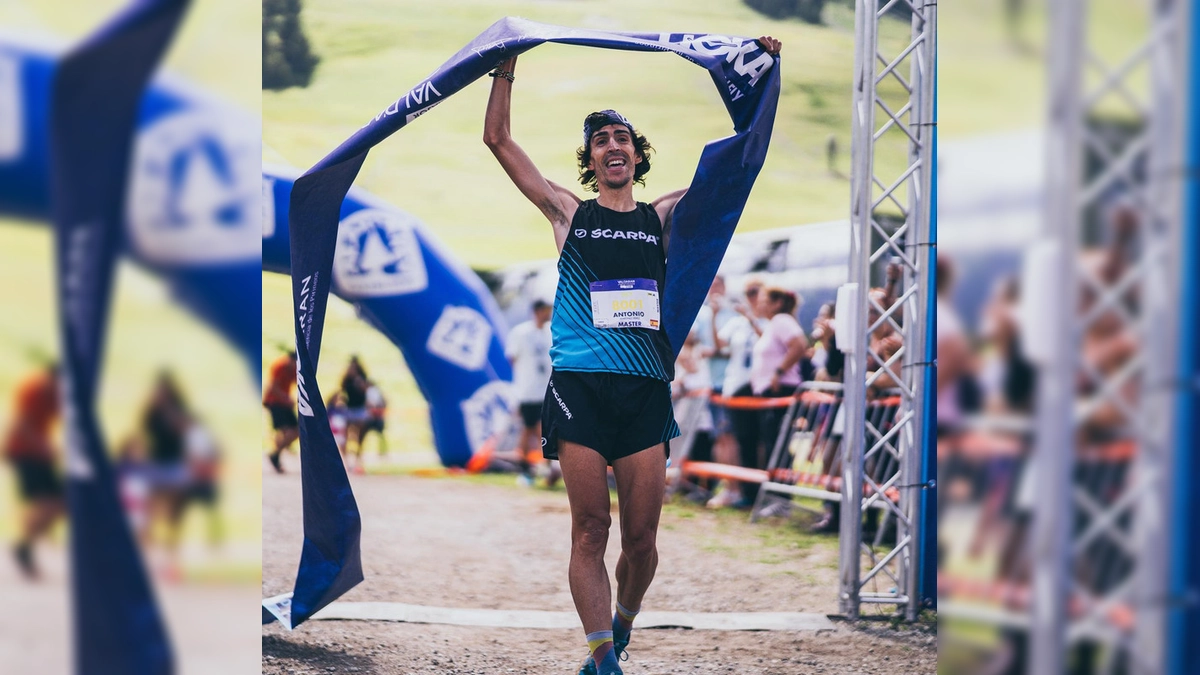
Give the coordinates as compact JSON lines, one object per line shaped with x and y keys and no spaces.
{"x":641,"y":146}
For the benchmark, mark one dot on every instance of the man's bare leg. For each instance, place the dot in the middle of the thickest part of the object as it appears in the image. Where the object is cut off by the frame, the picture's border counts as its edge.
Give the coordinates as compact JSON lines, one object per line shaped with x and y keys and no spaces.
{"x":641,"y":480}
{"x":585,"y":474}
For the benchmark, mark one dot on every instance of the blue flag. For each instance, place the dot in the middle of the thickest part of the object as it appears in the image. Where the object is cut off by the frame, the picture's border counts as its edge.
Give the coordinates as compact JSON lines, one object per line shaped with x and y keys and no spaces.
{"x":95,"y":96}
{"x":748,"y":80}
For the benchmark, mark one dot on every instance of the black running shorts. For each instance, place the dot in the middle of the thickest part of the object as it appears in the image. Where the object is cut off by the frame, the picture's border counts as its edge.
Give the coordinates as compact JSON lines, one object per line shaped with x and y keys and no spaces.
{"x":615,"y":415}
{"x":37,"y":479}
{"x":283,"y":417}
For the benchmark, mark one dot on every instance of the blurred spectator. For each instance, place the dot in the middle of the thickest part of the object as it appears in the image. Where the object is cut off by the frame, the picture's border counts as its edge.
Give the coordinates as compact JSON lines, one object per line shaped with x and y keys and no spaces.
{"x":828,"y":361}
{"x":281,"y":380}
{"x":774,"y":368}
{"x":335,"y":408}
{"x":165,"y":424}
{"x":1109,"y":341}
{"x":528,"y":350}
{"x":775,"y":360}
{"x":30,"y":451}
{"x":1007,"y":378}
{"x":690,"y":392}
{"x":716,"y":313}
{"x":738,"y":337}
{"x":953,"y":352}
{"x":354,"y":387}
{"x":377,"y":416}
{"x":133,"y":486}
{"x":204,"y":466}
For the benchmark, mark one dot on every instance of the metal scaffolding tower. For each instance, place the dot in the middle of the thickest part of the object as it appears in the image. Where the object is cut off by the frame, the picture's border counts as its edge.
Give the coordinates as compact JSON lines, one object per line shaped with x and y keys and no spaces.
{"x":883,"y":464}
{"x":1101,"y":555}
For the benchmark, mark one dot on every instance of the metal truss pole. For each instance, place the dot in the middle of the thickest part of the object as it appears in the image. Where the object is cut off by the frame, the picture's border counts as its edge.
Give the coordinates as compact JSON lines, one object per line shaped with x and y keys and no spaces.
{"x":1101,"y":557}
{"x":893,"y":451}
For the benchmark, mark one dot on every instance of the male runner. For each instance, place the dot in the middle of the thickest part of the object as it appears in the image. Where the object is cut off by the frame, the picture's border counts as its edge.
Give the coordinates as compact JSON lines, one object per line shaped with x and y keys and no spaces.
{"x":29,"y":448}
{"x":609,"y":398}
{"x":281,"y":379}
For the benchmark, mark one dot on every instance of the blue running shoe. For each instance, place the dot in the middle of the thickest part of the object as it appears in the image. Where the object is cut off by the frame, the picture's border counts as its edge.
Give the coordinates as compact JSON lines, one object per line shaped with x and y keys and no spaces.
{"x":619,"y":648}
{"x":589,"y":667}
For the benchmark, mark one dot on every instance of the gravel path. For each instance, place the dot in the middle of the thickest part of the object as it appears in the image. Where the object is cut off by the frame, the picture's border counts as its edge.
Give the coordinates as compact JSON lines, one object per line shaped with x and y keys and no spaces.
{"x":458,"y":543}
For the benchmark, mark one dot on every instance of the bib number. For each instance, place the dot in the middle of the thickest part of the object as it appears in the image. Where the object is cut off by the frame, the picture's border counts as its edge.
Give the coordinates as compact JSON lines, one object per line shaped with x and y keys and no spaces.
{"x":625,"y":303}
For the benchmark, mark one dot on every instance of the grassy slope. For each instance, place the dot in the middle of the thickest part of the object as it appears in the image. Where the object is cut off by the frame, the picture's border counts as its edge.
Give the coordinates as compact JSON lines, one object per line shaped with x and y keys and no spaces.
{"x":373,"y":50}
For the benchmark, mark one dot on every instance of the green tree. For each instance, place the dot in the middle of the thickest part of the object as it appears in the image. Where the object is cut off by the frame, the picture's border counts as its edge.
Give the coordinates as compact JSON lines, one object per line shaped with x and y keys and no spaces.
{"x":286,"y":58}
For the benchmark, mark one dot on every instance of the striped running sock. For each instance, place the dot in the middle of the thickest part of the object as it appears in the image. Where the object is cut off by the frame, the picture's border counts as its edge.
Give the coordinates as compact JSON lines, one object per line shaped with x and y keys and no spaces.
{"x":601,"y":645}
{"x":622,"y":624}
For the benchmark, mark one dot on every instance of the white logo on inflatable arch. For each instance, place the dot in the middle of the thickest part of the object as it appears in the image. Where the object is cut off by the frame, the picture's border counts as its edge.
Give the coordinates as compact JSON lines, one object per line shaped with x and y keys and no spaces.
{"x":12,"y":140}
{"x":489,"y":412}
{"x":195,"y":189}
{"x":378,"y":255}
{"x":462,"y":336}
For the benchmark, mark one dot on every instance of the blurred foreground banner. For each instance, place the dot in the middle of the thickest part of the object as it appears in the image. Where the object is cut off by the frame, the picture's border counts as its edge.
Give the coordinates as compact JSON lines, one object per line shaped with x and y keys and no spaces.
{"x":96,"y":93}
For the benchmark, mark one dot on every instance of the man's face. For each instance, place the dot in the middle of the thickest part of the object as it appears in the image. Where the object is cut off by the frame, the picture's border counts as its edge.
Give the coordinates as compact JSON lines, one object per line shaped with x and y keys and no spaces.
{"x":542,"y":314}
{"x":613,"y":156}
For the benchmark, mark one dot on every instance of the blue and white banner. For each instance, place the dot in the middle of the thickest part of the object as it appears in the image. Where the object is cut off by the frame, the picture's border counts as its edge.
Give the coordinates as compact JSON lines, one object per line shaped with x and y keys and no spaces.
{"x":748,"y":80}
{"x":411,"y":288}
{"x":95,"y":95}
{"x":191,"y":214}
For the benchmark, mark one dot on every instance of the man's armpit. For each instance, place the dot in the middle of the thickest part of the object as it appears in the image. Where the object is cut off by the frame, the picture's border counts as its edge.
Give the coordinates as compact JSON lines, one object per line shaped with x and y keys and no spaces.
{"x":552,"y":209}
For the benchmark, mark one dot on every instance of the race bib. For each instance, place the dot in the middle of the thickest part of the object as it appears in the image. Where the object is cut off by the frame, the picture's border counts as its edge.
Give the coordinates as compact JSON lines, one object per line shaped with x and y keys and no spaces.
{"x":625,"y":303}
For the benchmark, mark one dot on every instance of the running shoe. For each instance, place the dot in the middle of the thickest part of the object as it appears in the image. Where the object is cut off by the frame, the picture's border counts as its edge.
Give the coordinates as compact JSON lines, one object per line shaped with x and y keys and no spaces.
{"x":589,"y":664}
{"x":274,"y":457}
{"x":589,"y":668}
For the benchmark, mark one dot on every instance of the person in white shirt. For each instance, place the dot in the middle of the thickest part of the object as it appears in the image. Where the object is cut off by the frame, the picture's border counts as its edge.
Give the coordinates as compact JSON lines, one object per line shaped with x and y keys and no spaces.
{"x":528,"y":350}
{"x":738,"y":336}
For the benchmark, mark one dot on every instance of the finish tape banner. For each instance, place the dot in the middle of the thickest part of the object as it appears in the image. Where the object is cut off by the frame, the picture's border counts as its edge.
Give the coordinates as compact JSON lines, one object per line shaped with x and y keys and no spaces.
{"x":94,"y":99}
{"x":747,"y":79}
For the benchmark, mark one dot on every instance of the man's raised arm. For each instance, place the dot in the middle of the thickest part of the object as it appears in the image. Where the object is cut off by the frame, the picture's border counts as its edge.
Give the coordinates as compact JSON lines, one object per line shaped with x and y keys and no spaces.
{"x":519,"y":167}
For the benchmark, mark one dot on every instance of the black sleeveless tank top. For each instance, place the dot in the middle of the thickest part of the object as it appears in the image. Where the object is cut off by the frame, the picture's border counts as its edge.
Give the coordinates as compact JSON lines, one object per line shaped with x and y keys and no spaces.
{"x":606,"y":245}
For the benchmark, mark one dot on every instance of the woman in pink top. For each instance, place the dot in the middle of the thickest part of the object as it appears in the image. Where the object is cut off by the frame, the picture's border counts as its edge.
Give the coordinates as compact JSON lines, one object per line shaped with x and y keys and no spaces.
{"x":775,"y":363}
{"x":774,"y":369}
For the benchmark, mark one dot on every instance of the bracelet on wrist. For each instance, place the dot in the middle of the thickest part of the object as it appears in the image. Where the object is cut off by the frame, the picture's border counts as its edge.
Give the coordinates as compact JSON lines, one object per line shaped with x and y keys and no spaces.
{"x":506,"y":74}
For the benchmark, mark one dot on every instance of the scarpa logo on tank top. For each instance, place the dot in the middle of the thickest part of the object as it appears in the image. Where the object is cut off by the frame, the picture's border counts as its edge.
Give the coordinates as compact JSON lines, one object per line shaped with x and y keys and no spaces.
{"x":623,"y":234}
{"x":488,"y":413}
{"x":194,"y":191}
{"x":378,"y":255}
{"x":461,"y":336}
{"x":12,"y":140}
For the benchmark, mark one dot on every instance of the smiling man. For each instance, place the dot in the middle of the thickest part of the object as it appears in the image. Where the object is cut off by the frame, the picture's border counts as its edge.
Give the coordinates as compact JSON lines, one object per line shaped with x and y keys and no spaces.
{"x":608,"y":402}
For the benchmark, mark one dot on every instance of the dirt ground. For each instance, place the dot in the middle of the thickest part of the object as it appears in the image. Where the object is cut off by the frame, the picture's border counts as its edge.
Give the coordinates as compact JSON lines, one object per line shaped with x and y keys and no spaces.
{"x":470,"y":544}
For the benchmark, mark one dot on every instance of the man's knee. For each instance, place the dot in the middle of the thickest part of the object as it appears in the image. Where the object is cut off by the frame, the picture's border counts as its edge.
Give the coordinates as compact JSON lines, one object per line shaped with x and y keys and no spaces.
{"x":639,"y":545}
{"x":591,"y":533}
